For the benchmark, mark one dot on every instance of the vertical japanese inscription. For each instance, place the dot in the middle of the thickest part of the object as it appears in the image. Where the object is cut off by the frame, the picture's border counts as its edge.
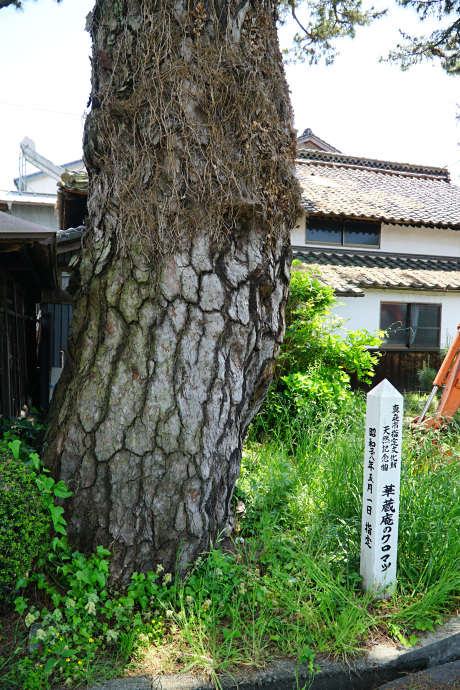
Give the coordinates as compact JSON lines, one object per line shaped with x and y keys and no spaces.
{"x":372,"y":433}
{"x":380,"y":513}
{"x":395,"y":448}
{"x":390,"y":502}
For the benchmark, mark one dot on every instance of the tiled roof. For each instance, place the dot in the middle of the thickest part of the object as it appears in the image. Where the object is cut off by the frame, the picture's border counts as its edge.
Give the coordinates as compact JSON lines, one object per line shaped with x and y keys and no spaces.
{"x":12,"y":227}
{"x":27,"y":197}
{"x":308,"y":134}
{"x":349,"y":273}
{"x":337,"y":185}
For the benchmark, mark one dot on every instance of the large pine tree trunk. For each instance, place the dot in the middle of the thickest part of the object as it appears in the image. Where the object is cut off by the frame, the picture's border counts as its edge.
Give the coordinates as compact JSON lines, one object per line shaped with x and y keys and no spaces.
{"x":185,"y":274}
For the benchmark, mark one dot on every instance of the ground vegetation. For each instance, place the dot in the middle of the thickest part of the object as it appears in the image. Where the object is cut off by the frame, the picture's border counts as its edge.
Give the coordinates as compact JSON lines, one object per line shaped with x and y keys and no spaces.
{"x":288,"y":586}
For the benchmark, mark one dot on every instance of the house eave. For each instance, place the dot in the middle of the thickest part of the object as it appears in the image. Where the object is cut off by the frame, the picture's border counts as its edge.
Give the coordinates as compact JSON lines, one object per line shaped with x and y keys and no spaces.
{"x":388,"y":220}
{"x":355,"y":271}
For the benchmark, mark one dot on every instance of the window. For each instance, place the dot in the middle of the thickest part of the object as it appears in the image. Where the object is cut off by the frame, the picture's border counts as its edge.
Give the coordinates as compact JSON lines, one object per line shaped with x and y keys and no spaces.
{"x":411,"y":325}
{"x":343,"y":232}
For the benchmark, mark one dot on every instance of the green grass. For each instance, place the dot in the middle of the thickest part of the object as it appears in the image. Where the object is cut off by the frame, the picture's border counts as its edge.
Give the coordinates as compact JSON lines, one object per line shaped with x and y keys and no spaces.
{"x":294,"y":583}
{"x":289,"y":586}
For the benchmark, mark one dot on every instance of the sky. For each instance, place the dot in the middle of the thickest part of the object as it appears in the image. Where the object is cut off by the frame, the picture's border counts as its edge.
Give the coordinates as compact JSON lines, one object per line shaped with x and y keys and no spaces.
{"x":359,"y":105}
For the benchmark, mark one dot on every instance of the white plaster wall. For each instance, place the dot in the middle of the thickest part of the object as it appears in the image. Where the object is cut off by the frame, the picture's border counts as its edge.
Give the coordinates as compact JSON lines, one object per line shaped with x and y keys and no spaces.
{"x":42,"y":185}
{"x":400,"y":239}
{"x":424,"y":241}
{"x":298,"y":234}
{"x":364,"y":312}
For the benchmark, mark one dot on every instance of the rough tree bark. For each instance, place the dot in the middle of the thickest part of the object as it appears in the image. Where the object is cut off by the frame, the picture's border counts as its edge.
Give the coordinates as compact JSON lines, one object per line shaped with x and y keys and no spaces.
{"x":185,"y":274}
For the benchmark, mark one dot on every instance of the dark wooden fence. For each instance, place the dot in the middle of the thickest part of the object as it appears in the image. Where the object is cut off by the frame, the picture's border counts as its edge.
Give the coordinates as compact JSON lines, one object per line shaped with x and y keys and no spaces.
{"x":400,"y":368}
{"x":18,"y":362}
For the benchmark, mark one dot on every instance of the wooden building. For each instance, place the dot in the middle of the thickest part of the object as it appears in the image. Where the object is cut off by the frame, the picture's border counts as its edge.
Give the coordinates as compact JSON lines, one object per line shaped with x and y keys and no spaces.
{"x":386,"y":237}
{"x":27,"y":268}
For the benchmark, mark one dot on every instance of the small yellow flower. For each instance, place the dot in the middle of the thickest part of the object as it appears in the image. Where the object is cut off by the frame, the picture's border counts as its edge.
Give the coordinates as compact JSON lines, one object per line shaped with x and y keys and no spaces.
{"x":90,"y":639}
{"x":153,"y":622}
{"x":61,"y":638}
{"x":67,"y":659}
{"x":80,"y":663}
{"x":119,"y":604}
{"x":138,"y":629}
{"x":41,"y":665}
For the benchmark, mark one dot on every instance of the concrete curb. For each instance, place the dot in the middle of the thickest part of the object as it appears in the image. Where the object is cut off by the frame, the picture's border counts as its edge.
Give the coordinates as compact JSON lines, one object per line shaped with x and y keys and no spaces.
{"x":440,"y":675}
{"x":381,"y":665}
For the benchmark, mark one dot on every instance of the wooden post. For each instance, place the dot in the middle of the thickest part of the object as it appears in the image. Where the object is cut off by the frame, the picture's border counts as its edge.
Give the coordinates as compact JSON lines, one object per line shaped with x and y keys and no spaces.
{"x":382,"y":468}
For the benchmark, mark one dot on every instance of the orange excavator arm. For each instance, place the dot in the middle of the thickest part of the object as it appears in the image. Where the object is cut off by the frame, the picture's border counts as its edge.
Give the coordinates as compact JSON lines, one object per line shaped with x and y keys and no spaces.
{"x":448,"y":376}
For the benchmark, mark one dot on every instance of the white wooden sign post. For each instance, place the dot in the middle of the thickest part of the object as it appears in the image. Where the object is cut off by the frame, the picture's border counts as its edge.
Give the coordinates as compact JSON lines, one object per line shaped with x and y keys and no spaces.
{"x":382,"y":468}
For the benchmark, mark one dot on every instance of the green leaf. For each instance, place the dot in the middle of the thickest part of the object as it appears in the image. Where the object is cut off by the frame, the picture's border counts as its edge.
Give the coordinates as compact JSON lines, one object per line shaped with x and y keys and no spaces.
{"x":20,"y":605}
{"x":50,"y":664}
{"x":143,"y":601}
{"x":101,"y":551}
{"x":36,"y":460}
{"x":56,"y":515}
{"x":56,"y":598}
{"x":60,"y":529}
{"x":101,"y":579}
{"x":48,"y":483}
{"x":42,"y":583}
{"x":61,"y":491}
{"x":57,"y":543}
{"x":83,"y":575}
{"x":14,"y":446}
{"x":69,"y":652}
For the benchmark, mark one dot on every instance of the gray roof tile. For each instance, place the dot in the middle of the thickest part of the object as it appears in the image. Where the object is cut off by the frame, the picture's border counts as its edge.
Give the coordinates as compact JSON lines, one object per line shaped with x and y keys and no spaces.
{"x":337,"y":185}
{"x":349,"y":272}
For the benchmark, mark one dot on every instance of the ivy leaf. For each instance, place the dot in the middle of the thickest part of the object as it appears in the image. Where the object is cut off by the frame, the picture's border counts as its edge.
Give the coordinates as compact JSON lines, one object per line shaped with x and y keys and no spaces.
{"x":20,"y":605}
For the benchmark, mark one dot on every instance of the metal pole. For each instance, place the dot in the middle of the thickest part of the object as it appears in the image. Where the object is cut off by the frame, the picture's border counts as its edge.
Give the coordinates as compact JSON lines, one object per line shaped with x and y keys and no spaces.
{"x":428,"y":403}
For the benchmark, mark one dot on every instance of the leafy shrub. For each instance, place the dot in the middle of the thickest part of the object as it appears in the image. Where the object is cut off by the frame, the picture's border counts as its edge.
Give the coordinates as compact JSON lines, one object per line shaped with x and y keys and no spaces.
{"x":317,"y":357}
{"x":426,"y":376}
{"x":85,"y":620}
{"x":324,"y":386}
{"x":316,"y":337}
{"x":24,"y":521}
